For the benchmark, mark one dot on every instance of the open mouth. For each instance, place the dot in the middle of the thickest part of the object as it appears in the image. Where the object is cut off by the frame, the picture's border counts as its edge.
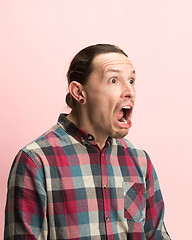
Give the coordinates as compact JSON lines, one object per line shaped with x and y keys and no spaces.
{"x":124,"y":115}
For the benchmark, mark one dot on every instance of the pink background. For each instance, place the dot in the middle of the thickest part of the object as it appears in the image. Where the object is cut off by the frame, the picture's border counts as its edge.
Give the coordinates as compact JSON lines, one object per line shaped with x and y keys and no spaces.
{"x":38,"y":40}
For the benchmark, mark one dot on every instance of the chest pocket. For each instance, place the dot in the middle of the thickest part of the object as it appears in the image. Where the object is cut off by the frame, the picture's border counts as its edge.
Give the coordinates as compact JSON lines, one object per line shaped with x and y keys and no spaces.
{"x":134,"y":201}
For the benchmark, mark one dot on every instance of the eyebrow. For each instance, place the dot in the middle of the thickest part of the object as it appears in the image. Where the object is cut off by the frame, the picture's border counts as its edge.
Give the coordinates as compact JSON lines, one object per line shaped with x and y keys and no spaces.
{"x":117,"y":71}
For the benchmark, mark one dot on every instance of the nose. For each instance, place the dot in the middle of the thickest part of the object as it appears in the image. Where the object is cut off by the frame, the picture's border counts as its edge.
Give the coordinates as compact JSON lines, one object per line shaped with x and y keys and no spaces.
{"x":128,"y":90}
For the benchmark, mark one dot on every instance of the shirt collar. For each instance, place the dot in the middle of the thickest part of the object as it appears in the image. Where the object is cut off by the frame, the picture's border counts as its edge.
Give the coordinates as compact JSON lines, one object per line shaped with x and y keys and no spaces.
{"x":76,"y":132}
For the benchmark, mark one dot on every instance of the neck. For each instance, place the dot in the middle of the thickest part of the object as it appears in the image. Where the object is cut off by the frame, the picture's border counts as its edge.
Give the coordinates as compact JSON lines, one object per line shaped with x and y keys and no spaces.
{"x":80,"y":121}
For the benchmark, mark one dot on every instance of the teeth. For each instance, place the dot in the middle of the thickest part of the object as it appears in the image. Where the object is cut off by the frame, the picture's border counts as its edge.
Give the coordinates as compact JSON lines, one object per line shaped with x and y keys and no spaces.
{"x":123,"y":120}
{"x":127,"y":107}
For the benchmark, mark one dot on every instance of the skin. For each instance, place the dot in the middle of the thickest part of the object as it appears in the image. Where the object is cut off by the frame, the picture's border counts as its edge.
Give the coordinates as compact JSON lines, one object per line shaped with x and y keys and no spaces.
{"x":110,"y":86}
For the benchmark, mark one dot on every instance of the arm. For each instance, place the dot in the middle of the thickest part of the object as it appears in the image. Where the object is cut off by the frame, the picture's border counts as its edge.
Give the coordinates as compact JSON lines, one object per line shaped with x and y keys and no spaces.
{"x":154,"y":226}
{"x":25,"y":213}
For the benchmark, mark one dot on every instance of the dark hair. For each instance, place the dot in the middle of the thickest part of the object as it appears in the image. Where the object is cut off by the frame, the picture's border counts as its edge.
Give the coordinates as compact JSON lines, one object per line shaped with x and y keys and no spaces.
{"x":81,"y":66}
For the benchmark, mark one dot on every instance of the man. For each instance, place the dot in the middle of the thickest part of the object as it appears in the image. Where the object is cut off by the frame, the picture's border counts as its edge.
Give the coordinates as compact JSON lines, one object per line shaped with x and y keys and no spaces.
{"x":82,"y":179}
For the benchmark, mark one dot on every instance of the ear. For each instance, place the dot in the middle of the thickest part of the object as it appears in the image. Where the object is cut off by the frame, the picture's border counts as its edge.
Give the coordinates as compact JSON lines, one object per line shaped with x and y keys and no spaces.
{"x":77,"y":91}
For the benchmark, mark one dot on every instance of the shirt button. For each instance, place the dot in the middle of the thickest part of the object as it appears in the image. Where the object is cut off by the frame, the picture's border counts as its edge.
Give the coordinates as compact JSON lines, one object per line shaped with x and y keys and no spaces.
{"x":102,"y":155}
{"x":105,"y":186}
{"x":107,"y":219}
{"x":90,"y":137}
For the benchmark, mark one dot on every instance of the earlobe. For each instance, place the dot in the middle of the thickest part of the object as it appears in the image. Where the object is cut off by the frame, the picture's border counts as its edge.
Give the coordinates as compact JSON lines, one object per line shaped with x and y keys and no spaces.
{"x":77,"y":92}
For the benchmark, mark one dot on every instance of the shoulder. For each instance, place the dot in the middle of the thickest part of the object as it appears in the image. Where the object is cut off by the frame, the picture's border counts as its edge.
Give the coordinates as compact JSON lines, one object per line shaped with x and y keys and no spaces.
{"x":133,"y":149}
{"x":45,"y":145}
{"x":138,"y":156}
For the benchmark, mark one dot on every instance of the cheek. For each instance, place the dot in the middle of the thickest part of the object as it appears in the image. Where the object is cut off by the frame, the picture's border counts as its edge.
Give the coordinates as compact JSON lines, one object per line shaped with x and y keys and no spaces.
{"x":108,"y":107}
{"x":102,"y":101}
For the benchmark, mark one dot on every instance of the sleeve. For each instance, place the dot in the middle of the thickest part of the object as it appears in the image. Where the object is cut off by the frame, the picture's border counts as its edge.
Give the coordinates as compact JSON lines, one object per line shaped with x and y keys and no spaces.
{"x":154,"y":225}
{"x":25,"y":212}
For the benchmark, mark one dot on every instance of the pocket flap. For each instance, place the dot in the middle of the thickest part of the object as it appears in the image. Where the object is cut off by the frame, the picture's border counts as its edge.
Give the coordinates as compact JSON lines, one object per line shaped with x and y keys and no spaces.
{"x":134,"y":201}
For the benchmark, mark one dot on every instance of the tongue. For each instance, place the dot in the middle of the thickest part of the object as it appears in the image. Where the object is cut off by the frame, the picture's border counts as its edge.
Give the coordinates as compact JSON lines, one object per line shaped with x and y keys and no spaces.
{"x":122,"y":120}
{"x":120,"y":115}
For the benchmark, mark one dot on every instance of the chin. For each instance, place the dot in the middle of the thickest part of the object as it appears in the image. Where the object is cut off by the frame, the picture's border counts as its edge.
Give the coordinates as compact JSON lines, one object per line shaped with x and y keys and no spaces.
{"x":120,"y":134}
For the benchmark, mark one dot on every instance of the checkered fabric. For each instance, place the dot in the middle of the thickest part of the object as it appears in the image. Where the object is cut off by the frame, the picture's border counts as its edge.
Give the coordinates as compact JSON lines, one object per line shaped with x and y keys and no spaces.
{"x":62,"y":186}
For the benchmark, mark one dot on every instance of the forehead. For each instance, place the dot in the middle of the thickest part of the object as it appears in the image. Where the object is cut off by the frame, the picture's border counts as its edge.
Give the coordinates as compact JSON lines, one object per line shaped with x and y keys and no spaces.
{"x":112,"y":61}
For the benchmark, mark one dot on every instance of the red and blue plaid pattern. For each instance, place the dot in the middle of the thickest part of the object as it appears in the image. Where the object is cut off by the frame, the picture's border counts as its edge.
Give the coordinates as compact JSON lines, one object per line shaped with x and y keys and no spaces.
{"x":61,"y":186}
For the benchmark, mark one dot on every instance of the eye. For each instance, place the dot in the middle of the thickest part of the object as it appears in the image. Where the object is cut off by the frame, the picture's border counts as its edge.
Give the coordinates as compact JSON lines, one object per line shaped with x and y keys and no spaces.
{"x":131,"y":80}
{"x":113,"y":80}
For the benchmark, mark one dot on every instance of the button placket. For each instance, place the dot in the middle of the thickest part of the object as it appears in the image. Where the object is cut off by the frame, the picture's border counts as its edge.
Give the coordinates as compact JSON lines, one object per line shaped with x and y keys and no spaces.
{"x":83,"y":141}
{"x":106,"y":194}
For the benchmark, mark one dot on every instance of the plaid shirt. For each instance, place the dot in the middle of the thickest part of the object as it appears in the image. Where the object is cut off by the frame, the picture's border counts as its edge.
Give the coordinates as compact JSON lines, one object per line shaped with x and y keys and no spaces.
{"x":62,"y":186}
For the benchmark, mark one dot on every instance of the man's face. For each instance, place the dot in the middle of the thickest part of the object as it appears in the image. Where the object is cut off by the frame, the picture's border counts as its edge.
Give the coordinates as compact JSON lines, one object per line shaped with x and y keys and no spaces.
{"x":110,"y":95}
